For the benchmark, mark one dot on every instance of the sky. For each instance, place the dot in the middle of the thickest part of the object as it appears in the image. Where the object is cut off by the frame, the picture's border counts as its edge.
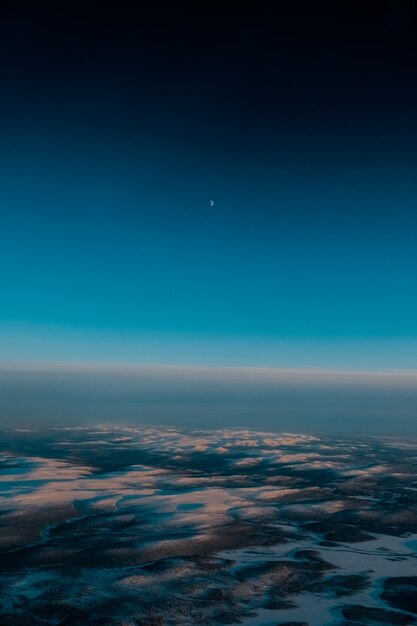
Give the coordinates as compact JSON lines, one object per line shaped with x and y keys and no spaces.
{"x":120,"y":124}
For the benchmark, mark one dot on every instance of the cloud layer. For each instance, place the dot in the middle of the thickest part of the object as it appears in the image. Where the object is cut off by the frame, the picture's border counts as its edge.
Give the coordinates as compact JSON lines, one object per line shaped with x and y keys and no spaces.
{"x":308,"y":400}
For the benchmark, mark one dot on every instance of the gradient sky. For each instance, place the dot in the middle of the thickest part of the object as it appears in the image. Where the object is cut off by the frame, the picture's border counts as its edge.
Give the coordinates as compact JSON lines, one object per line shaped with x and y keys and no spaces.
{"x":120,"y":124}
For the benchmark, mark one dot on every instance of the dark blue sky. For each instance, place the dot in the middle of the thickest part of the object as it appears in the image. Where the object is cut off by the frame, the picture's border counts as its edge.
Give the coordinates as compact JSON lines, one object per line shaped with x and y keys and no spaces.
{"x":119,"y":125}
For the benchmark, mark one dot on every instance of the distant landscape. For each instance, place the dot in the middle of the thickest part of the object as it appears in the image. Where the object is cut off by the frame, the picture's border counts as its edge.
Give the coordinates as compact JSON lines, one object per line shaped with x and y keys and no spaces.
{"x":135,"y":526}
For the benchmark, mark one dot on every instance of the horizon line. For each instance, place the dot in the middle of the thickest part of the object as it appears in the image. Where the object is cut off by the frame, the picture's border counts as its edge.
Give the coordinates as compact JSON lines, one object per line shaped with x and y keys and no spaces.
{"x":163,"y":366}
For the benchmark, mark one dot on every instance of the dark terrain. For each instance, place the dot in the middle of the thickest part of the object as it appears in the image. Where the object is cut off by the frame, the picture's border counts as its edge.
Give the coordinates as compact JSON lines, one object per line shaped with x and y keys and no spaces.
{"x":144,"y":526}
